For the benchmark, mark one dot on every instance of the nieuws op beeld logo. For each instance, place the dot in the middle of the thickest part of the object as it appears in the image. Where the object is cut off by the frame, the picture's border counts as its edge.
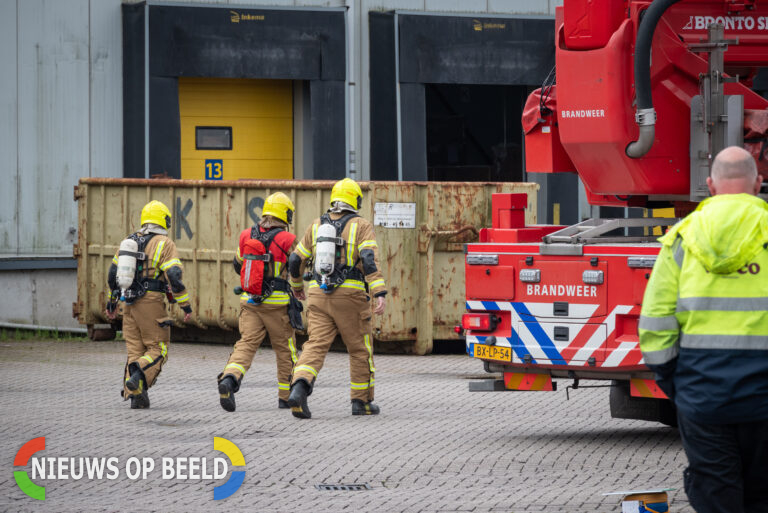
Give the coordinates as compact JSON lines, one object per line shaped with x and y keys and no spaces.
{"x":185,"y":468}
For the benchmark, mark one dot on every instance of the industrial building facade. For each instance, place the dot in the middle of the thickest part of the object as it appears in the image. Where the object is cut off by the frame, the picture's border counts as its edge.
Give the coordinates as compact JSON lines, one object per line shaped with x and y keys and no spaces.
{"x":372,"y":89}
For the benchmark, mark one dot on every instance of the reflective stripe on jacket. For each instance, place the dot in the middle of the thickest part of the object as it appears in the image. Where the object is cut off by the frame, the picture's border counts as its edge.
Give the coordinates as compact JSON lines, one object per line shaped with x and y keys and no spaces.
{"x":704,"y":322}
{"x":359,"y":242}
{"x":162,"y":256}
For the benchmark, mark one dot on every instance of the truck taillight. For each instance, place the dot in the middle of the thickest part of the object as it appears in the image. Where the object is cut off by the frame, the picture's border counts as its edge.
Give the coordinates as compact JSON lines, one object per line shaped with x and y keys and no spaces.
{"x":478,"y":259}
{"x":478,"y":321}
{"x":530,"y":275}
{"x":592,"y":277}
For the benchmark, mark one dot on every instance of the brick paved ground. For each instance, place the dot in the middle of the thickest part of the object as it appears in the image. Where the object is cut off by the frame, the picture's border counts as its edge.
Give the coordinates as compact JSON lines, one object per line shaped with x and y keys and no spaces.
{"x":436,"y":447}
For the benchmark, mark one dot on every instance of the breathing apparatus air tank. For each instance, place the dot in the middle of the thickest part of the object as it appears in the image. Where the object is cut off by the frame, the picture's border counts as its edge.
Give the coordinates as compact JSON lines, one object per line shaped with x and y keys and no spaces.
{"x":325,"y":253}
{"x":126,"y":265}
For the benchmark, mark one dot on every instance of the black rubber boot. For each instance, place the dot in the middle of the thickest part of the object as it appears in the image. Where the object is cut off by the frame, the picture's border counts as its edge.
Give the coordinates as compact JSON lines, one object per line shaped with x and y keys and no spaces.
{"x":137,"y":376}
{"x":298,"y":399}
{"x":140,"y":401}
{"x":362,"y":408}
{"x":283,"y":404}
{"x":227,"y":387}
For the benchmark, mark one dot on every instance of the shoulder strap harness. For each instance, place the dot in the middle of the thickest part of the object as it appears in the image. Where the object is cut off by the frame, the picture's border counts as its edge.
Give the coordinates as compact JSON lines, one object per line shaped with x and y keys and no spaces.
{"x":141,"y":282}
{"x":341,"y":271}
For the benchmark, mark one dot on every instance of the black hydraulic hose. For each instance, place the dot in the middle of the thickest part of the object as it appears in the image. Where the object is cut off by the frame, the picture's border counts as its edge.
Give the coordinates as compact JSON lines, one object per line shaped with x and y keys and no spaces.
{"x":646,"y":115}
{"x":643,"y":51}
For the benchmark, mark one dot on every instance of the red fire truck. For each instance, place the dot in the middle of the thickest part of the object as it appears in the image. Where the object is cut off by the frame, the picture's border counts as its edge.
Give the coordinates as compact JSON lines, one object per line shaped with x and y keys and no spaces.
{"x":646,"y":93}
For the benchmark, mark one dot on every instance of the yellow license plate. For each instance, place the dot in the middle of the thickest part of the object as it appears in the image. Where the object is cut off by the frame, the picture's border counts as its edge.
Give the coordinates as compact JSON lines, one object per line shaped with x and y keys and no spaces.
{"x":503,"y":354}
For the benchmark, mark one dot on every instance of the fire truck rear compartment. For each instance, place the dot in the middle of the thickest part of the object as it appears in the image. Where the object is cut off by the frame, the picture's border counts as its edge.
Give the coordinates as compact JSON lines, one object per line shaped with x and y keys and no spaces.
{"x":559,"y":312}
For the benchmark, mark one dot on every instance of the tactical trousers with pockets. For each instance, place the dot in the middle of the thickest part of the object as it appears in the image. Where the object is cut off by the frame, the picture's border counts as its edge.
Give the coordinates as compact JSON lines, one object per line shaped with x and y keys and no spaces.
{"x":256,"y":321}
{"x":147,"y":332}
{"x":346,"y":312}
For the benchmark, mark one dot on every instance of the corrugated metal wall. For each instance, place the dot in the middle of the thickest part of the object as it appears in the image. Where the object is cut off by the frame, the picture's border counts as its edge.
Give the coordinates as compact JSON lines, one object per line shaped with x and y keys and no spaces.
{"x":61,"y":91}
{"x":9,"y":128}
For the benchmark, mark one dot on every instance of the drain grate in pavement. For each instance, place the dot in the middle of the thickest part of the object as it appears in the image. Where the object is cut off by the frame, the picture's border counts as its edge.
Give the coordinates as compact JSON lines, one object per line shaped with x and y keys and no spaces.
{"x":354,"y":487}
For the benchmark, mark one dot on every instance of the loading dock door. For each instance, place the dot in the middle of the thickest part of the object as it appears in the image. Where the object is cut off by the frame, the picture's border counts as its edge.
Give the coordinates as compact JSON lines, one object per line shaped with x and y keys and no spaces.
{"x":236,"y":128}
{"x":455,"y":113}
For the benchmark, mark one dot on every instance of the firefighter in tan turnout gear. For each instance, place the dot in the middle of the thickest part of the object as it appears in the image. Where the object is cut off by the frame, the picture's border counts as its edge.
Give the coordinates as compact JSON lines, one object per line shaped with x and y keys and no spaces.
{"x":342,"y":248}
{"x":265,"y":300}
{"x":145,"y":269}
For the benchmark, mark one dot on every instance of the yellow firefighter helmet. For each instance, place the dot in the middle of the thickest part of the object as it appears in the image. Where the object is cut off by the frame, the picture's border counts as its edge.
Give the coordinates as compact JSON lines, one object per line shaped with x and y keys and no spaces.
{"x":280,"y":206}
{"x":348,"y":191}
{"x":157,"y":213}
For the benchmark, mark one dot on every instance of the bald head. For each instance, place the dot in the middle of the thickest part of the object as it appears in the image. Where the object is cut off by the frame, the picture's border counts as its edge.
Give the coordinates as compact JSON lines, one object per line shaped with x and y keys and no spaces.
{"x":734,"y":172}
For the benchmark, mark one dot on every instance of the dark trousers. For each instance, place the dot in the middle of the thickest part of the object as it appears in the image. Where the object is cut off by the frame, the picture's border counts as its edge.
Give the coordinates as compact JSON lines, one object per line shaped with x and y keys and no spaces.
{"x":728,"y":466}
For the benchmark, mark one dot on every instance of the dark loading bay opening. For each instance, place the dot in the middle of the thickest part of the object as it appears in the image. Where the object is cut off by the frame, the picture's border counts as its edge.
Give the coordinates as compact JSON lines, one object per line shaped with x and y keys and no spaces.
{"x":474,"y":132}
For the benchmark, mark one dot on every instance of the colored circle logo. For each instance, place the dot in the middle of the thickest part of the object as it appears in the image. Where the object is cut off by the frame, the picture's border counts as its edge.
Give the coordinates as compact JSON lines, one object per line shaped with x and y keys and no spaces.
{"x":22,"y":478}
{"x":236,"y":459}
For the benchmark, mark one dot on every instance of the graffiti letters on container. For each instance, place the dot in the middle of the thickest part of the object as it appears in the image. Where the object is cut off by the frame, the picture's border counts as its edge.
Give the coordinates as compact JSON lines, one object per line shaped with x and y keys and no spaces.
{"x":181,"y":221}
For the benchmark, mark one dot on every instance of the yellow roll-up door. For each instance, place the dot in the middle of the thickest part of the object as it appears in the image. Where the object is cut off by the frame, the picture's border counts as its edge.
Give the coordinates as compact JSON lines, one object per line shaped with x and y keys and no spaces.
{"x":236,"y":128}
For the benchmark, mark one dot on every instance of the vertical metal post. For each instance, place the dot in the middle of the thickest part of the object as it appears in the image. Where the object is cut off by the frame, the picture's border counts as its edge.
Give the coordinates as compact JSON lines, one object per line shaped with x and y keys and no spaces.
{"x":397,"y":103}
{"x":354,"y":29}
{"x":348,"y":172}
{"x":716,"y":99}
{"x":146,"y":90}
{"x":716,"y":119}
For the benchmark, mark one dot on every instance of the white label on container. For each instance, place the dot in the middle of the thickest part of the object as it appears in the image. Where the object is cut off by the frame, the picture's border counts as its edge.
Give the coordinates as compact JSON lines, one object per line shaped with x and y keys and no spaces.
{"x":395,"y":215}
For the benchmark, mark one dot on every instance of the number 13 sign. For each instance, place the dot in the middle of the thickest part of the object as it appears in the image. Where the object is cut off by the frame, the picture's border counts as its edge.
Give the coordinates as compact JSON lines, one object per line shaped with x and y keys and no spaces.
{"x":214,"y":169}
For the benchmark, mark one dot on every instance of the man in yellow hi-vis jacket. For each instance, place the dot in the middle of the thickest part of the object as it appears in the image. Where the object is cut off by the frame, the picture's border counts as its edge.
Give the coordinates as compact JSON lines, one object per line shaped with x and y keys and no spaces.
{"x":338,"y":299}
{"x":704,"y":332}
{"x":146,"y":325}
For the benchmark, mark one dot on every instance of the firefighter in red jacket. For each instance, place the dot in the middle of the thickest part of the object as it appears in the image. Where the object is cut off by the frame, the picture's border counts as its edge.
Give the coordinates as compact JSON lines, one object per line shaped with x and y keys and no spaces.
{"x":155,"y":269}
{"x":266,"y":310}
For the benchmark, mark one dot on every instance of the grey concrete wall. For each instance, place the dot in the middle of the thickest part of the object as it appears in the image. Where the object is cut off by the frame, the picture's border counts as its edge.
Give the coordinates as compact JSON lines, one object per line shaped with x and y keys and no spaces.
{"x":42,"y":298}
{"x":61,"y":102}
